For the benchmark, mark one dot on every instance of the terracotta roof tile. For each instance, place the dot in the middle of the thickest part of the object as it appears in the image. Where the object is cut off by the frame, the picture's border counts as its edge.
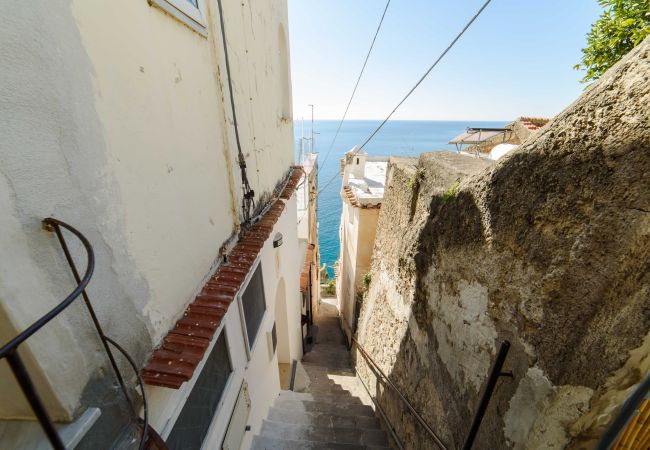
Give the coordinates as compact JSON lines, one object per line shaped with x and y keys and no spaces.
{"x":175,"y":361}
{"x":289,"y":189}
{"x":533,"y":123}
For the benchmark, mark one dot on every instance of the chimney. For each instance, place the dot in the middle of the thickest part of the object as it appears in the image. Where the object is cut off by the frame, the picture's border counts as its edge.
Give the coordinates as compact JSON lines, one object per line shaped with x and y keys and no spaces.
{"x":358,"y":164}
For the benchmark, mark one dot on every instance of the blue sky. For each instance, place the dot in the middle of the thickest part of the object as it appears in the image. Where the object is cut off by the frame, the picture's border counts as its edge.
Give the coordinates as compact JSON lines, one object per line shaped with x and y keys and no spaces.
{"x":516,"y":60}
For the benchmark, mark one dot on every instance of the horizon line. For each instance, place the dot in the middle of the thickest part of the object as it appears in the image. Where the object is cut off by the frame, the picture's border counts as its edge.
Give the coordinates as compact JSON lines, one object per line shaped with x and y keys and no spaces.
{"x":408,"y":120}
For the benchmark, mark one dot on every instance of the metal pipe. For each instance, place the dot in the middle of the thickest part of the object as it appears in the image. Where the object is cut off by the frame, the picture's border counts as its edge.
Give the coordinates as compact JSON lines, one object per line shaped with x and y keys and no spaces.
{"x":495,"y":373}
{"x":33,"y":328}
{"x":73,"y":267}
{"x":145,"y":409}
{"x":28,"y":388}
{"x":408,"y":404}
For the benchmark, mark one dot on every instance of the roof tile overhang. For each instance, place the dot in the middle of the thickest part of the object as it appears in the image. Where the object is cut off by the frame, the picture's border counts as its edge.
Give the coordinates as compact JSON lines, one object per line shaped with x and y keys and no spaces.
{"x":181,"y":351}
{"x":354,"y":202}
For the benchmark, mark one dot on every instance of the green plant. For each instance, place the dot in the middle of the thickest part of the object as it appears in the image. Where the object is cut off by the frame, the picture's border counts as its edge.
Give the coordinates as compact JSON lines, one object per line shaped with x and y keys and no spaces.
{"x":414,"y":180}
{"x":367,"y":278}
{"x":621,"y":27}
{"x":331,"y":287}
{"x":451,"y":192}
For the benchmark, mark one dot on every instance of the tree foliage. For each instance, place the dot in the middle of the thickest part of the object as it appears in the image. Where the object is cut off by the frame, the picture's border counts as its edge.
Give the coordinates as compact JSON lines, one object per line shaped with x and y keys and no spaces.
{"x":621,"y":27}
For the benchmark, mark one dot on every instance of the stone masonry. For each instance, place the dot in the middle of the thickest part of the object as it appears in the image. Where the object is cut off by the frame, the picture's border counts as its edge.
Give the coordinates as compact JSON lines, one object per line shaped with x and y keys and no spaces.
{"x":549,"y":248}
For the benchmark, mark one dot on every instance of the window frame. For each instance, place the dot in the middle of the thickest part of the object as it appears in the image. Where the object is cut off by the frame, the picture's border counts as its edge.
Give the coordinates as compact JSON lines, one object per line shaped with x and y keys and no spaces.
{"x":250,"y":347}
{"x":192,"y":16}
{"x":189,"y":387}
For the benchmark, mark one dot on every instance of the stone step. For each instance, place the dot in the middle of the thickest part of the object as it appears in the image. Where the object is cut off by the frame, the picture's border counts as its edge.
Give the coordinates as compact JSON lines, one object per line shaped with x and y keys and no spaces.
{"x":324,"y":389}
{"x":330,"y":367}
{"x":329,"y":349}
{"x":326,"y":397}
{"x":341,"y":409}
{"x":266,"y":443}
{"x":326,"y":360}
{"x":310,"y":433}
{"x":322,"y":419}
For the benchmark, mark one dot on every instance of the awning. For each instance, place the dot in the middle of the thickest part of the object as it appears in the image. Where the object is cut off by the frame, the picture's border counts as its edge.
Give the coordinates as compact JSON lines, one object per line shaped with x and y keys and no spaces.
{"x":477,"y":135}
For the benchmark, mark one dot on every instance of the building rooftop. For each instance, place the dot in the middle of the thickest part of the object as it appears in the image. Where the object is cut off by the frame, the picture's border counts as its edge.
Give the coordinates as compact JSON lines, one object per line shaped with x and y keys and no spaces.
{"x":370,"y":188}
{"x":533,"y":123}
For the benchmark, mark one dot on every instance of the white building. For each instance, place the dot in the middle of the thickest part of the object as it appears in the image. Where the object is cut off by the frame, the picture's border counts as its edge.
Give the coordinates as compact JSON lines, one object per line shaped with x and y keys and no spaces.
{"x":362,"y":191}
{"x":116,"y":117}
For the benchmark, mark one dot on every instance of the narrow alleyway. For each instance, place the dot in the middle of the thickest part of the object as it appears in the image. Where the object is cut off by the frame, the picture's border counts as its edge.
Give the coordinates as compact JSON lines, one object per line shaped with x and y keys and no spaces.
{"x":334,"y":411}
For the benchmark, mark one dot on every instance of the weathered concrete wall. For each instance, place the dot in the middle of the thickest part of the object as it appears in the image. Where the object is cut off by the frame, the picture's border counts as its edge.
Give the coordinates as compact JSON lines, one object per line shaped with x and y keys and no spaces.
{"x":549,"y":249}
{"x":114,"y":116}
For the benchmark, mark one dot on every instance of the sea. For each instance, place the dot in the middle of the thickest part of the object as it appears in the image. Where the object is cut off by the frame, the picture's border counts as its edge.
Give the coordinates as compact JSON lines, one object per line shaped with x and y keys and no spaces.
{"x":396,"y":138}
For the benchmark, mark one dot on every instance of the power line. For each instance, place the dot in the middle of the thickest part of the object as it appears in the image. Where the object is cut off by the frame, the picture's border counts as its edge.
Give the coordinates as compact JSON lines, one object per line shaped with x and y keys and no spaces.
{"x":435,"y":63}
{"x":327,"y":184}
{"x":372,"y":44}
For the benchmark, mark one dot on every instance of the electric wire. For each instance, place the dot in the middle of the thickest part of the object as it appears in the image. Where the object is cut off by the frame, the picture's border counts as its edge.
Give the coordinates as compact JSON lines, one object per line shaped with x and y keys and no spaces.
{"x":356,"y":85}
{"x":435,"y":63}
{"x":408,"y":94}
{"x":248,"y":199}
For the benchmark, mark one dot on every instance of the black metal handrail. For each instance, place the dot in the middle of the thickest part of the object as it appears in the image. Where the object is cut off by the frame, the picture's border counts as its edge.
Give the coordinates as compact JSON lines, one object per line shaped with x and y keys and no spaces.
{"x":495,"y":373}
{"x":408,"y":404}
{"x":10,"y":349}
{"x":493,"y":377}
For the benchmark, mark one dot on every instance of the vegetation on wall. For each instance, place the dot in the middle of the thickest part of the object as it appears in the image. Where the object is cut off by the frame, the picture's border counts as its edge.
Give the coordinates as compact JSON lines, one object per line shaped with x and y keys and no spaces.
{"x":451,"y":192}
{"x":367,"y":278}
{"x":621,"y":27}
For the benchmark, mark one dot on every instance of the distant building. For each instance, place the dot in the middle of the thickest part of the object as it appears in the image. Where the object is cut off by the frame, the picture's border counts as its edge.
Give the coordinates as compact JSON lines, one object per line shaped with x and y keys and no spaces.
{"x":362,"y":192}
{"x":117,"y":120}
{"x":307,"y":192}
{"x":494,"y":143}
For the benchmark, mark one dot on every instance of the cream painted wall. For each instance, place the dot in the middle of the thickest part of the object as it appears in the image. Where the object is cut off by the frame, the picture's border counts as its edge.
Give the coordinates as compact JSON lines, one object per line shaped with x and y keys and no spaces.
{"x":260,"y":371}
{"x":114,"y":118}
{"x":358,"y":229}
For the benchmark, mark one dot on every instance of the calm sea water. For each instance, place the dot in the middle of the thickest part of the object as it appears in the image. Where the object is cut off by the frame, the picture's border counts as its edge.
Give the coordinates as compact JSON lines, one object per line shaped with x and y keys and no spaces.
{"x":396,"y":138}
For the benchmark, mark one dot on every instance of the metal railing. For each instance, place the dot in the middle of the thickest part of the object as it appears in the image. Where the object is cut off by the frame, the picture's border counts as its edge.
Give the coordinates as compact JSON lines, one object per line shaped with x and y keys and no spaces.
{"x":494,"y":375}
{"x":10,"y":349}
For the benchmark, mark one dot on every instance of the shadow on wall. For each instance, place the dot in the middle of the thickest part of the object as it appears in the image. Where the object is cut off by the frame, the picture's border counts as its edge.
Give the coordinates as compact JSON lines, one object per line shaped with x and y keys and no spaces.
{"x":430,"y":337}
{"x":549,"y":249}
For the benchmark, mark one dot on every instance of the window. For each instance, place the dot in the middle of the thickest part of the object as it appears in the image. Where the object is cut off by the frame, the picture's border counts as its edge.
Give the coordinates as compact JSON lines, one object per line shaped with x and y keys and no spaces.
{"x":190,"y":12}
{"x":253,"y":306}
{"x":196,"y":416}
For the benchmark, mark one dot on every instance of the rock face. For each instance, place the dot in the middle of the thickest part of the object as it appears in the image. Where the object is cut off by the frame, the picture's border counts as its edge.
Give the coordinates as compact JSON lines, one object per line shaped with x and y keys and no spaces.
{"x":549,"y":249}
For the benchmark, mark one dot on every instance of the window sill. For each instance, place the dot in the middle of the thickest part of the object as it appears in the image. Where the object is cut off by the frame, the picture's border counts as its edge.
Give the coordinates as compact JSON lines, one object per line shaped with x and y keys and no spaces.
{"x":180,"y":16}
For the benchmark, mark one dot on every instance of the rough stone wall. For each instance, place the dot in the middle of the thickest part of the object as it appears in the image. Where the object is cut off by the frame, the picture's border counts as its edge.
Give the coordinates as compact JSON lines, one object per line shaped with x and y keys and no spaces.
{"x":549,"y":248}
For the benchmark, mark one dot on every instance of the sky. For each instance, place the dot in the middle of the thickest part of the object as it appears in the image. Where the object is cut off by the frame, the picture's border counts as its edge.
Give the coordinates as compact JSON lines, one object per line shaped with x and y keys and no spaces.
{"x":515,"y":60}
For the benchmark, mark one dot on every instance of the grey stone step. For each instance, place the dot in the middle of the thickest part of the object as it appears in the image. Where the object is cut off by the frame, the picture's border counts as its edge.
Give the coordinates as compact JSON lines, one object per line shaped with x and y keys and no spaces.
{"x":322,"y":389}
{"x":310,"y":433}
{"x":322,"y":419}
{"x":326,"y":397}
{"x":330,"y":366}
{"x":266,"y":443}
{"x":340,"y":409}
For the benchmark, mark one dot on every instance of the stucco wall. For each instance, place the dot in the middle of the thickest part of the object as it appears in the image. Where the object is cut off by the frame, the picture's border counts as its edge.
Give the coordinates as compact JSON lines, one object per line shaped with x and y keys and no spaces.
{"x":114,"y":118}
{"x":549,"y":249}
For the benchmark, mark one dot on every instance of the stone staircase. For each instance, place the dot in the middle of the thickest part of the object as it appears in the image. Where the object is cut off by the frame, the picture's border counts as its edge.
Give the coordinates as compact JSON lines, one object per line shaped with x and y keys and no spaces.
{"x":334,"y":412}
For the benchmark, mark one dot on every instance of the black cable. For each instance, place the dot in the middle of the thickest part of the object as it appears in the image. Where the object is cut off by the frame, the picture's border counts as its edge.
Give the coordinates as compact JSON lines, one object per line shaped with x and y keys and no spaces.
{"x":372,"y":44}
{"x":427,"y":72}
{"x":248,"y":199}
